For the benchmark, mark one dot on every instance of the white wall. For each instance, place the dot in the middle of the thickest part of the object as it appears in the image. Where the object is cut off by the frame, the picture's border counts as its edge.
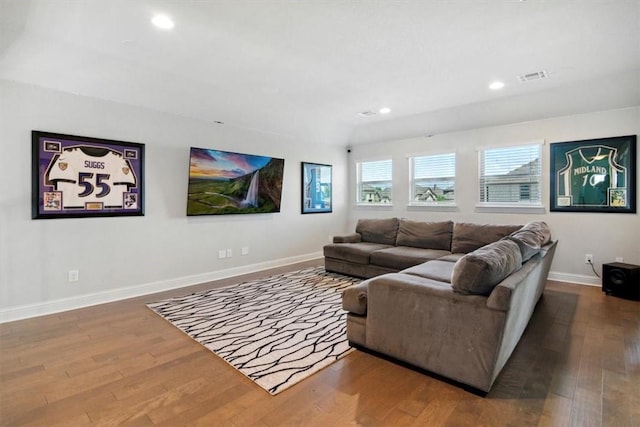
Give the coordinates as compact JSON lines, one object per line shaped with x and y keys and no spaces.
{"x":606,"y":236}
{"x":127,"y":256}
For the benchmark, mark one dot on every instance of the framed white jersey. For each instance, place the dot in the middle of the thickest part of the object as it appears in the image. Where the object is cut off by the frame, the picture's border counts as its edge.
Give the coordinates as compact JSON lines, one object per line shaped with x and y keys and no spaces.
{"x":594,"y":175}
{"x":81,"y":176}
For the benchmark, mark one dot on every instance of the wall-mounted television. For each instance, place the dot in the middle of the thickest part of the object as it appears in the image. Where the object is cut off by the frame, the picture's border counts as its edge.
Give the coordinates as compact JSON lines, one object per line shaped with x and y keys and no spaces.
{"x":224,"y":182}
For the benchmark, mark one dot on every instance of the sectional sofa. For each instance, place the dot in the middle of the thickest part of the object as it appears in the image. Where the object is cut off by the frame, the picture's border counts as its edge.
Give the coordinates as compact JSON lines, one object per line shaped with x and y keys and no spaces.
{"x":449,"y":298}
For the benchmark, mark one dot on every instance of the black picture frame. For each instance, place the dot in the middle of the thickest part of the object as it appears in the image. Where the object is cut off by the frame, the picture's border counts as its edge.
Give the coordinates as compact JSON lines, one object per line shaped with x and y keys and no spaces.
{"x":594,"y":175}
{"x":317,"y":188}
{"x":229,"y":183}
{"x":78,"y":177}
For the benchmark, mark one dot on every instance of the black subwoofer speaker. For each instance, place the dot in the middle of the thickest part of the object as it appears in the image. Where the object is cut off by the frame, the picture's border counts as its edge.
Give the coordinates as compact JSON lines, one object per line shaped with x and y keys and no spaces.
{"x":621,"y":280}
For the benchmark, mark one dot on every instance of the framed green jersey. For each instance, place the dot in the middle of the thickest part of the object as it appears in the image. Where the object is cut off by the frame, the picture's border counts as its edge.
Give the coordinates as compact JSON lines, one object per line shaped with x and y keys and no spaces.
{"x":595,"y":175}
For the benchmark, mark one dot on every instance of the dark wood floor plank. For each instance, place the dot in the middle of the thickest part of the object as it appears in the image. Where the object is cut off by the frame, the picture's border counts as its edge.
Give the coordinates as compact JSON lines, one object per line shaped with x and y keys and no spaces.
{"x":616,"y":410}
{"x":586,"y":409}
{"x":556,"y":411}
{"x":590,"y":374}
{"x":438,"y":411}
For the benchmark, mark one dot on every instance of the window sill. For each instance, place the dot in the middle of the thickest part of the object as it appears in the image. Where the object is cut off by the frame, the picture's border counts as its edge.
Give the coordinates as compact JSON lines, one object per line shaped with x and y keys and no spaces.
{"x":374,"y":205}
{"x":433,"y":207}
{"x":508,"y":208}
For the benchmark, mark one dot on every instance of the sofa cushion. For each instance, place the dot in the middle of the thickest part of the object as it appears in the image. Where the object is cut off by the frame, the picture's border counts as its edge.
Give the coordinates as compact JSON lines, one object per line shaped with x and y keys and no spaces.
{"x":468,"y":237}
{"x":530,"y":238}
{"x":478,"y":272}
{"x":382,"y":231}
{"x":349,"y":238}
{"x":401,"y":257}
{"x":451,"y":257}
{"x":435,"y":270}
{"x":428,"y":235}
{"x":354,"y":252}
{"x":354,"y":298}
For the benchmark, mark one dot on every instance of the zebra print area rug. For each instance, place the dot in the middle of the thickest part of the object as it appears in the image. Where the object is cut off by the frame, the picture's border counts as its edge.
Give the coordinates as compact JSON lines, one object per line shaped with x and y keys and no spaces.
{"x":276,"y":331}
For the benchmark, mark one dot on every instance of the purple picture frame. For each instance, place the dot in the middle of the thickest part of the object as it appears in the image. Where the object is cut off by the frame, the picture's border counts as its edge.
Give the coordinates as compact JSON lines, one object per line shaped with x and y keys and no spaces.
{"x":78,"y":177}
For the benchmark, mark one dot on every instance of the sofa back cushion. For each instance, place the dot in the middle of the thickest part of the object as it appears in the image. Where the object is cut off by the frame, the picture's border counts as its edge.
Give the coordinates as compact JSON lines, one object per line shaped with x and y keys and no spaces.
{"x":478,"y":272}
{"x":426,"y":235}
{"x":382,"y":231}
{"x":468,"y":237}
{"x":530,"y":238}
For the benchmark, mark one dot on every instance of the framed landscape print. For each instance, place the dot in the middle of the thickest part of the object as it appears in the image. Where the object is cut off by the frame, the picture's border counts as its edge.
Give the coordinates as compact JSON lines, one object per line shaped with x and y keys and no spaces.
{"x":595,"y":175}
{"x":77,"y":176}
{"x":226,"y":182}
{"x":316,"y":188}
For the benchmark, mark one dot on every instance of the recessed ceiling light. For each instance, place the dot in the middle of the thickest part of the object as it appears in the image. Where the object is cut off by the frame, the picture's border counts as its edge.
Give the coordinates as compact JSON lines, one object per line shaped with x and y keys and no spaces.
{"x":163,"y":21}
{"x":496,"y":85}
{"x":384,"y":110}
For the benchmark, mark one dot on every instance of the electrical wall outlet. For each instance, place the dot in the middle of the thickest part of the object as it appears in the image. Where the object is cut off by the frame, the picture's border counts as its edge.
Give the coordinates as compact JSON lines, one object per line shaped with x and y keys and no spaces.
{"x":619,"y":259}
{"x":245,"y":250}
{"x":588,"y":258}
{"x":74,"y":275}
{"x":229,"y":253}
{"x":222,"y":254}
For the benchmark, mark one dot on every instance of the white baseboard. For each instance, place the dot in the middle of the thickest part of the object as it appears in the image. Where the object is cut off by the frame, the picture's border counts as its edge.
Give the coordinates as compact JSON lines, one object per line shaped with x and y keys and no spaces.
{"x":579,"y":279}
{"x":56,"y":306}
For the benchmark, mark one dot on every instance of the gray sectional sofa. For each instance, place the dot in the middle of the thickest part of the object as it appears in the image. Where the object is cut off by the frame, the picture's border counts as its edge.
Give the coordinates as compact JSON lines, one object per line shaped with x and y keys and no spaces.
{"x":450,"y":298}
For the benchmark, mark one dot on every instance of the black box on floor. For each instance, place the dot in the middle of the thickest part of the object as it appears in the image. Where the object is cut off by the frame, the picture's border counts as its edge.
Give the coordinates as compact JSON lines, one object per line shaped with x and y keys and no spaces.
{"x":621,"y":280}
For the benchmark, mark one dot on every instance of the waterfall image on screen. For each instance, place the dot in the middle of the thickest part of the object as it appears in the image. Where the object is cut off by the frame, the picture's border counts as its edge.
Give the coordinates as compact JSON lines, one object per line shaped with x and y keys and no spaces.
{"x":223,"y":182}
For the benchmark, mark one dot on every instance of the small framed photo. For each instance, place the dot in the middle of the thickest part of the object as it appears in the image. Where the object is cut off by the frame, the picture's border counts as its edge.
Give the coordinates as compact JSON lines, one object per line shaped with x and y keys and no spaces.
{"x":77,"y":176}
{"x":316,"y":188}
{"x":594,"y":175}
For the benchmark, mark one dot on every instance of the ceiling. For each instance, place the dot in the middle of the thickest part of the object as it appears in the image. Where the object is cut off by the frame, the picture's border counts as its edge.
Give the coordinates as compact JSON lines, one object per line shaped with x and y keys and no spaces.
{"x":305,"y":69}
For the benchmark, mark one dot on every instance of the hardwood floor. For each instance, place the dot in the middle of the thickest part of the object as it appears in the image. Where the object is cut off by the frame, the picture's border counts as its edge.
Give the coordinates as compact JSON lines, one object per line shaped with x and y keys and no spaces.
{"x":578,"y":364}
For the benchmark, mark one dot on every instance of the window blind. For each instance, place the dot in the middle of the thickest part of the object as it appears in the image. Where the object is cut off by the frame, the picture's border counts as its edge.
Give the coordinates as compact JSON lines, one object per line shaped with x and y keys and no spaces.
{"x":376,"y":171}
{"x":433,"y":178}
{"x":511,"y":175}
{"x":374,"y":181}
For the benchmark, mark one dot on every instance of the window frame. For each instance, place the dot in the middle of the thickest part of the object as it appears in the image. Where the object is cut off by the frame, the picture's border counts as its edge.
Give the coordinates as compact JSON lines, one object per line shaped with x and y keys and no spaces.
{"x":359,"y":181}
{"x":536,"y":206}
{"x":443,"y":203}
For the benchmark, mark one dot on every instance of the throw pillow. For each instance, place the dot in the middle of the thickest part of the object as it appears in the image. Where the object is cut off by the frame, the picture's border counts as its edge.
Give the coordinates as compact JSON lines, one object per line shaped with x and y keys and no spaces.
{"x":478,"y":272}
{"x":530,"y":238}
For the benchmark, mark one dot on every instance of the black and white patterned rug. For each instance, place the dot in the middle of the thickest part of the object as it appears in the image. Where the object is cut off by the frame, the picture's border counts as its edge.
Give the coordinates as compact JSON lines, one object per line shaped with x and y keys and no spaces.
{"x":277,"y":330}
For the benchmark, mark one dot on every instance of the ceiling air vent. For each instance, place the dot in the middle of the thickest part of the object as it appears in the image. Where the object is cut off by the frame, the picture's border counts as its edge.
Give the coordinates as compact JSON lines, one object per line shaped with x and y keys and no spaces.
{"x":367,"y":113}
{"x":533,"y":76}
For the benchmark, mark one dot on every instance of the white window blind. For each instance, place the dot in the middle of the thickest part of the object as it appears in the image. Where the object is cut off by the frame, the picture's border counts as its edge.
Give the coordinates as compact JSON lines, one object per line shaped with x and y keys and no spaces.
{"x":511,"y":175}
{"x":433,"y":179}
{"x":374,"y":181}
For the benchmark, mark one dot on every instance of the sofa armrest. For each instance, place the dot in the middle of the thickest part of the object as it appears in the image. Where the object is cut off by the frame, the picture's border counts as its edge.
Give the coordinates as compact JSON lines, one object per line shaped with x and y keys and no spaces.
{"x":354,"y":298}
{"x":502,"y":295}
{"x":349,"y":238}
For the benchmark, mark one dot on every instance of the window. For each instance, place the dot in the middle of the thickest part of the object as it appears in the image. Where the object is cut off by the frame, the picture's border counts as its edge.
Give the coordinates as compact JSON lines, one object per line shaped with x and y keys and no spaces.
{"x":433,"y":179}
{"x":374,"y":182}
{"x":511,"y":175}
